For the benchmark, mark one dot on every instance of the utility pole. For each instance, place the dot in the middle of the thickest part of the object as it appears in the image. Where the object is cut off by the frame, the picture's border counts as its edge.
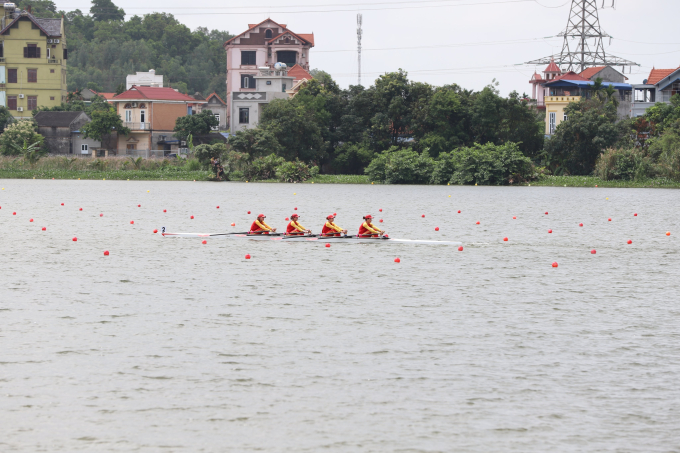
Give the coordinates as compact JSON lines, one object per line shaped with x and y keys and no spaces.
{"x":577,"y":54}
{"x":359,"y":33}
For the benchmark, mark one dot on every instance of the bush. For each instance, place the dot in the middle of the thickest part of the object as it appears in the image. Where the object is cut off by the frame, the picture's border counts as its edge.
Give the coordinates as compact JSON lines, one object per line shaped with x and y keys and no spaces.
{"x":351,"y":159}
{"x":295,"y":171}
{"x":263,"y":168}
{"x":192,"y":165}
{"x":487,"y":164}
{"x":666,"y":149}
{"x":16,"y":134}
{"x":405,"y":166}
{"x":627,"y":164}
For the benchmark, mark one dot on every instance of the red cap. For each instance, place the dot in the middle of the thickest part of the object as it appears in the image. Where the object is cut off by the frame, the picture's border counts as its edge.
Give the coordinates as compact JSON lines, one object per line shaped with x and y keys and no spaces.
{"x":294,"y":215}
{"x":330,"y":216}
{"x":261,"y":215}
{"x":368,"y":217}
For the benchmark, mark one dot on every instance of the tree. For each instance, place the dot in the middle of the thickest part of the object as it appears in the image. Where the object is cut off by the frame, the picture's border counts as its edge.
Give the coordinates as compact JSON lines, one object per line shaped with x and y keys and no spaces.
{"x":199,"y":124}
{"x":23,"y":131}
{"x":31,"y":152}
{"x":106,"y":10}
{"x":255,"y":142}
{"x":6,"y":118}
{"x":295,"y":128}
{"x":104,"y":122}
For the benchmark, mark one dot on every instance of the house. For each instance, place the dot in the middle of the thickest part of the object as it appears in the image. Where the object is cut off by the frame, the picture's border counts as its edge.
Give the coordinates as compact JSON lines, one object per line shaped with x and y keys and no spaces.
{"x":150,"y":113}
{"x":262,"y":45}
{"x":33,"y":57}
{"x":246,"y":107}
{"x":62,"y":132}
{"x":606,"y":73}
{"x":218,"y":107}
{"x":659,"y":86}
{"x":144,"y":79}
{"x":88,"y":94}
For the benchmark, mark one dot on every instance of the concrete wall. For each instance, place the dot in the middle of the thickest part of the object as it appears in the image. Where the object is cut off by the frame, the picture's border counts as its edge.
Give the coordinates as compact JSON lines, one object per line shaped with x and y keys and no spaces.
{"x":609,"y":74}
{"x":58,"y":139}
{"x":78,"y":140}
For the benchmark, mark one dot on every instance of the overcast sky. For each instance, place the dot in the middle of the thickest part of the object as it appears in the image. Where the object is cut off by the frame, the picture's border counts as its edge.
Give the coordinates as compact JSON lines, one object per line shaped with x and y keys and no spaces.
{"x":468,"y":42}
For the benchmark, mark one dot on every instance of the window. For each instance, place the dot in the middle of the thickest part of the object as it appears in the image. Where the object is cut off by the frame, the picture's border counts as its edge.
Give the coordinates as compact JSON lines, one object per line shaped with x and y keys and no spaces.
{"x":32,"y":75}
{"x":283,"y":87}
{"x":32,"y":102}
{"x":131,"y":146}
{"x":128,"y":116}
{"x":84,"y":149}
{"x":2,"y":50}
{"x":248,"y":57}
{"x":268,"y":34}
{"x":551,"y":122}
{"x":11,"y":76}
{"x":128,"y":106}
{"x":12,"y":102}
{"x":32,"y":51}
{"x":243,"y":115}
{"x":287,"y":56}
{"x":247,"y":81}
{"x":65,"y":54}
{"x":142,"y":105}
{"x":142,"y":118}
{"x":217,"y":117}
{"x":51,"y":98}
{"x":48,"y":52}
{"x":565,"y":117}
{"x":51,"y":71}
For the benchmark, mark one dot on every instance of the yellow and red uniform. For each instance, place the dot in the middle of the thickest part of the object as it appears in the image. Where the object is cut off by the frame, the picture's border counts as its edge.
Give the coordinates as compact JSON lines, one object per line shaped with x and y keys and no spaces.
{"x":294,"y":228}
{"x":331,"y":229}
{"x":368,"y":230}
{"x":260,"y":228}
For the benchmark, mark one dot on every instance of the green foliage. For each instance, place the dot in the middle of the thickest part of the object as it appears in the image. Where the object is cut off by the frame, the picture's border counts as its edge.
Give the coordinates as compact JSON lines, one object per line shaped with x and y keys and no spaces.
{"x":255,"y":142}
{"x":263,"y":168}
{"x":352,"y":159}
{"x":103,"y":123}
{"x":105,"y":10}
{"x":206,"y":153}
{"x":198,"y":124}
{"x":30,"y":152}
{"x":295,"y":171}
{"x":295,"y":128}
{"x":631,"y":164}
{"x":136,"y":163}
{"x":404,"y":166}
{"x":23,"y":131}
{"x":6,"y":118}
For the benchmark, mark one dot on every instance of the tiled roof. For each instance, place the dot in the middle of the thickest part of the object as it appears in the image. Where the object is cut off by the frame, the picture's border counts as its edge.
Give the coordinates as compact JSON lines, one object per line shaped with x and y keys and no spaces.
{"x":309,"y":37}
{"x":294,"y":35}
{"x":589,"y":72}
{"x":51,"y":27}
{"x":552,"y":67}
{"x":299,"y":73}
{"x":571,"y":75}
{"x":536,"y":77}
{"x":154,"y":94}
{"x":214,"y":95}
{"x":657,"y":75}
{"x":106,"y":96}
{"x":56,"y":119}
{"x":251,"y":26}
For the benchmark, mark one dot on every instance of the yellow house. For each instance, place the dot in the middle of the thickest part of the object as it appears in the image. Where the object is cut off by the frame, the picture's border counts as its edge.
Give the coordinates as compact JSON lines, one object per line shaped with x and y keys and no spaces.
{"x":32,"y":61}
{"x":554,"y":111}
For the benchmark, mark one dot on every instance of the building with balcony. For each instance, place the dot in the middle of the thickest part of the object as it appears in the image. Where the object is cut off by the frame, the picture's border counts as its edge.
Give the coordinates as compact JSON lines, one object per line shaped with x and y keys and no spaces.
{"x":659,"y":86}
{"x":262,"y":45}
{"x":151,"y":113}
{"x":33,"y":57}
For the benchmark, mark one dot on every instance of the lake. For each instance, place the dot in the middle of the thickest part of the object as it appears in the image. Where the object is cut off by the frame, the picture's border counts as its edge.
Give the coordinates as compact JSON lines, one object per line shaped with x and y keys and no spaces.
{"x":168,"y":344}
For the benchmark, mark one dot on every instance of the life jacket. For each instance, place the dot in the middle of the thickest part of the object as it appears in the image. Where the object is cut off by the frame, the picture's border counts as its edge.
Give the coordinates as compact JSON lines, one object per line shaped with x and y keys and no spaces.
{"x":330,"y":229}
{"x":293,"y":228}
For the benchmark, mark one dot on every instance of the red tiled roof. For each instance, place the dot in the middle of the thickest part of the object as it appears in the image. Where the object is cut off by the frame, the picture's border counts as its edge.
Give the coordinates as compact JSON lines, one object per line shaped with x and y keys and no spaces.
{"x":571,"y":75}
{"x":552,"y":67}
{"x":536,"y":78}
{"x":106,"y":96}
{"x":309,"y":37}
{"x":295,"y":35}
{"x":154,"y":94}
{"x":589,"y":72}
{"x":299,"y":73}
{"x":656,"y":75}
{"x":215,"y":95}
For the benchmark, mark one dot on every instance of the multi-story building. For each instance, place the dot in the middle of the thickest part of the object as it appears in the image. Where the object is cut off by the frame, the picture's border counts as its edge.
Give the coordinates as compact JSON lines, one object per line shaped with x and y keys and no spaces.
{"x":33,"y":57}
{"x":262,"y":45}
{"x":659,"y":86}
{"x":151,"y":113}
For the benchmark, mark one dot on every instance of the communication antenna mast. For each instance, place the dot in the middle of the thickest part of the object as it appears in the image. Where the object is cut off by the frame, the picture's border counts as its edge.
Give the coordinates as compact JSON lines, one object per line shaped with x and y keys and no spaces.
{"x":577,"y":52}
{"x":359,"y":33}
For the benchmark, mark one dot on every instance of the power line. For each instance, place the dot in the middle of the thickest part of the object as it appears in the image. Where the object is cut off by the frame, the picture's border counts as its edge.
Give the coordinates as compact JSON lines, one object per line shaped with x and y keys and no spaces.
{"x":473,"y":44}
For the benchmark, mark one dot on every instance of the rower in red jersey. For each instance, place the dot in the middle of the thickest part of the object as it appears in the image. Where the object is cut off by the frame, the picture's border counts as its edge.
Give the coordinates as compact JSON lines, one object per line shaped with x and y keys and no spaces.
{"x":294,"y":227}
{"x":368,"y":230}
{"x":259,"y":227}
{"x":331,"y":229}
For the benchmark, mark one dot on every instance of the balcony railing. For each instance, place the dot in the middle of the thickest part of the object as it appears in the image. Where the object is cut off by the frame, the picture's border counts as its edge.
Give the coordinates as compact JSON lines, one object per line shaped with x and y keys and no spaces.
{"x":138,"y":126}
{"x":53,"y":61}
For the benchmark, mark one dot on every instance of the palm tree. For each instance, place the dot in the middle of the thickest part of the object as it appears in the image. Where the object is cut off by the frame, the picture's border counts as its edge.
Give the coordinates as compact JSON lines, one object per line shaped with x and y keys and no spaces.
{"x":31,"y":153}
{"x":597,"y":88}
{"x":610,"y":94}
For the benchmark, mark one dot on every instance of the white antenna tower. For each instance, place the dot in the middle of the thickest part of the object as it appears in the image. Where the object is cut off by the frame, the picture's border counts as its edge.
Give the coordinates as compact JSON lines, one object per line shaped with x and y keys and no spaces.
{"x":359,"y":32}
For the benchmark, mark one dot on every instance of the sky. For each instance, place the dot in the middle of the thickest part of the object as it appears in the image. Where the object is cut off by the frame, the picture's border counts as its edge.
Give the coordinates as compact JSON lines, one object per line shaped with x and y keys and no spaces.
{"x":467,"y":42}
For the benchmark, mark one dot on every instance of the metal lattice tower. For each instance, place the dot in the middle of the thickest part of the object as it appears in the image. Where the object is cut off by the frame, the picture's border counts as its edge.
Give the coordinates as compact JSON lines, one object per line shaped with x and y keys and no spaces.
{"x":582,"y":46}
{"x":359,"y":33}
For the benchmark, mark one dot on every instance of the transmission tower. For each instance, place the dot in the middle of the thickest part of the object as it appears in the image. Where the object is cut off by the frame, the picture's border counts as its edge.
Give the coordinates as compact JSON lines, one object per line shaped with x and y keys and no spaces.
{"x":582,"y":46}
{"x":359,"y":33}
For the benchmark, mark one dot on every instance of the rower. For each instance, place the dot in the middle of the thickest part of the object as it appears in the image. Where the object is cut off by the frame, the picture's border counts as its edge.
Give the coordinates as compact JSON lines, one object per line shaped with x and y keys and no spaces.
{"x":368,"y":230}
{"x":294,"y":227}
{"x":331,"y":229}
{"x":259,"y":227}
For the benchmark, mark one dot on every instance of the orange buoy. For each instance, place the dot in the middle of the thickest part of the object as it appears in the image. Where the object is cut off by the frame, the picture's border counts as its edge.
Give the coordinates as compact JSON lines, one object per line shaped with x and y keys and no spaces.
{"x":397,"y":260}
{"x":460,"y":249}
{"x":593,"y":251}
{"x":554,"y":264}
{"x":233,"y":224}
{"x":436,"y":228}
{"x":247,"y":257}
{"x":204,"y":242}
{"x":505,"y":239}
{"x":106,"y":253}
{"x":668,"y":233}
{"x":328,"y":245}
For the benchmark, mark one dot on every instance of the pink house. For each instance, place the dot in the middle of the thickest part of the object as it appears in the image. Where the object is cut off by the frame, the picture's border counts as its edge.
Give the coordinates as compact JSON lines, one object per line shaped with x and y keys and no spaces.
{"x":539,"y":92}
{"x":263,"y":45}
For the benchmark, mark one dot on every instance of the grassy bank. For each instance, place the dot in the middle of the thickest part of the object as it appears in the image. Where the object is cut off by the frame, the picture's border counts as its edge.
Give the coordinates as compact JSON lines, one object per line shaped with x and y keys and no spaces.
{"x":591,"y":181}
{"x":106,"y":174}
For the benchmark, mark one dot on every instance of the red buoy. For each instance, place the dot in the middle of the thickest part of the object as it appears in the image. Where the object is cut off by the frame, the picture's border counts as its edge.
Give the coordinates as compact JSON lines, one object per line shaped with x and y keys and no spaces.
{"x":139,"y":205}
{"x":477,"y":222}
{"x":247,"y":257}
{"x":295,"y":209}
{"x":43,"y":228}
{"x":217,"y":207}
{"x":554,"y":264}
{"x":436,"y":228}
{"x":248,"y":212}
{"x":397,"y":260}
{"x":62,"y":204}
{"x":132,"y":222}
{"x":423,"y":215}
{"x":514,"y":218}
{"x":164,"y":210}
{"x":287,"y":218}
{"x":106,"y":253}
{"x":192,"y":217}
{"x":580,"y":224}
{"x":629,"y":241}
{"x":328,"y":245}
{"x":380,"y":220}
{"x":593,"y":251}
{"x":380,"y":209}
{"x":80,"y":209}
{"x":101,"y":215}
{"x":459,"y":211}
{"x":335,"y":214}
{"x":635,"y":215}
{"x":75,"y":239}
{"x":233,"y":224}
{"x":546,"y":212}
{"x":460,"y":249}
{"x":31,"y":220}
{"x":155,"y":231}
{"x":609,"y":219}
{"x":204,"y":242}
{"x":505,"y":239}
{"x":14,"y":213}
{"x":549,"y":231}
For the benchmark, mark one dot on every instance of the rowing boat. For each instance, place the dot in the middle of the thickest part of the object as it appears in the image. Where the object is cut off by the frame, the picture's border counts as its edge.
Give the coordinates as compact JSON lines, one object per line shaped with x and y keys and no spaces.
{"x":280,"y":237}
